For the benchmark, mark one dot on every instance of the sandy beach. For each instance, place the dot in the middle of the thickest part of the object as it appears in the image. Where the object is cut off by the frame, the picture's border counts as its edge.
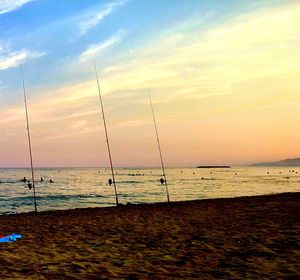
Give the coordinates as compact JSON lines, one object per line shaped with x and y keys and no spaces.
{"x":238,"y":238}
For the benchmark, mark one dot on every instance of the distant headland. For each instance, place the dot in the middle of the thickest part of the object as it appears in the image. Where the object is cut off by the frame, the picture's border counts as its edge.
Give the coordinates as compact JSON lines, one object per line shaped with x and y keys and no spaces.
{"x":213,"y":166}
{"x":285,"y":162}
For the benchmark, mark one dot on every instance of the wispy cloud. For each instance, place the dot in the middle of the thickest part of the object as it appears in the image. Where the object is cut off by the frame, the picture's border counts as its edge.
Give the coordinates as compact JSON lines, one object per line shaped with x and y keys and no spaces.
{"x":7,"y":6}
{"x":91,"y":19}
{"x":12,"y":59}
{"x":94,"y":50}
{"x":219,"y":61}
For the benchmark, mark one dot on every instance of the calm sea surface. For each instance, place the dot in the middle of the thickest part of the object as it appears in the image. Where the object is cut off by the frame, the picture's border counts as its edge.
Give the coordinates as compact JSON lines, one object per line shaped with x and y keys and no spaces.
{"x":87,"y":187}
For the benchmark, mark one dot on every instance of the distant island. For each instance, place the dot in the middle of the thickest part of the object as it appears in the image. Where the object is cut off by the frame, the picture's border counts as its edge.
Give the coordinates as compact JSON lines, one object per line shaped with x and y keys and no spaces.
{"x":213,"y":166}
{"x":285,"y":162}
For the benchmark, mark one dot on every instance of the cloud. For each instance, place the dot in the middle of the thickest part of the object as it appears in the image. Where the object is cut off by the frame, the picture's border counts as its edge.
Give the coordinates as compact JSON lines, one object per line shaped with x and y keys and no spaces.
{"x":251,"y":58}
{"x":253,"y":54}
{"x":91,"y":19}
{"x":248,"y":50}
{"x":15,"y":58}
{"x":94,"y":50}
{"x":7,"y":6}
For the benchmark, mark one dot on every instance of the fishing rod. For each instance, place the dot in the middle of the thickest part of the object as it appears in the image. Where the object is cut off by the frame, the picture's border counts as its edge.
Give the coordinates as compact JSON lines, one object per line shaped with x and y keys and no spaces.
{"x":159,"y":148}
{"x":29,"y":140}
{"x":106,"y":136}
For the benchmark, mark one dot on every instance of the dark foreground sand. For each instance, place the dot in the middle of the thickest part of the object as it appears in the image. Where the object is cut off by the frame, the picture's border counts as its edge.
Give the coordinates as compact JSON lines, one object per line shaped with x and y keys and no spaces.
{"x":241,"y":238}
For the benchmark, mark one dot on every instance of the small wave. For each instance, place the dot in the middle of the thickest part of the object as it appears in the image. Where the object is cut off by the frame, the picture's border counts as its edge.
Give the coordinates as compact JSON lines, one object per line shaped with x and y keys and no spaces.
{"x":13,"y":182}
{"x":153,"y":194}
{"x":17,"y":198}
{"x":136,"y":202}
{"x":69,"y":197}
{"x":129,"y":182}
{"x":26,"y":199}
{"x":9,"y":213}
{"x":128,"y":195}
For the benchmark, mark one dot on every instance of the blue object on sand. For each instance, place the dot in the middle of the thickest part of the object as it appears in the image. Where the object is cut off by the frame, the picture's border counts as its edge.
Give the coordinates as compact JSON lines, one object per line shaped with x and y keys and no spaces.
{"x":5,"y":239}
{"x":10,"y":238}
{"x":16,"y":235}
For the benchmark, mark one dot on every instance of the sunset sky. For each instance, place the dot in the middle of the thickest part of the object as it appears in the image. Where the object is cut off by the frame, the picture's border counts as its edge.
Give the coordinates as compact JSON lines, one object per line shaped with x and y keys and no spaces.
{"x":224,"y":78}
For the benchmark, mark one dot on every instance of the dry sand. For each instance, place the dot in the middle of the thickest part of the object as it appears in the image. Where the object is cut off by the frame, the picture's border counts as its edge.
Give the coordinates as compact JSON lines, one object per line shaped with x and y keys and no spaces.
{"x":240,"y":238}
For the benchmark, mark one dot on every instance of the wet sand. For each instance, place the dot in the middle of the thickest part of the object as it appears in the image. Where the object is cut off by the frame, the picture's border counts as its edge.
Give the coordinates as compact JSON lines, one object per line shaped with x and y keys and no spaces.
{"x":239,"y":238}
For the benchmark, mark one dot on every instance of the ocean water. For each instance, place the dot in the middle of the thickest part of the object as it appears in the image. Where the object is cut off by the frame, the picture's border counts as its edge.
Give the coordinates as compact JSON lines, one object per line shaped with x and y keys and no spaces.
{"x":87,"y":187}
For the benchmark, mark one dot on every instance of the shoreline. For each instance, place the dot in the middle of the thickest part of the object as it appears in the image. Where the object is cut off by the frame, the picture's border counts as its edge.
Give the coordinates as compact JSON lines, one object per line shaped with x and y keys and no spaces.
{"x":173,"y":203}
{"x":243,"y":237}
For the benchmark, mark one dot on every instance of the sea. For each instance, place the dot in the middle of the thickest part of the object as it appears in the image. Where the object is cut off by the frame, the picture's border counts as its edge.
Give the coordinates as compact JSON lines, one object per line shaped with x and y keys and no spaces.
{"x":88,"y":187}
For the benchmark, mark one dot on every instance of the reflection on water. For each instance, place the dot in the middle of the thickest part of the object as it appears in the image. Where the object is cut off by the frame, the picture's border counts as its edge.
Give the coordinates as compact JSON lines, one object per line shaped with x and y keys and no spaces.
{"x":87,"y":187}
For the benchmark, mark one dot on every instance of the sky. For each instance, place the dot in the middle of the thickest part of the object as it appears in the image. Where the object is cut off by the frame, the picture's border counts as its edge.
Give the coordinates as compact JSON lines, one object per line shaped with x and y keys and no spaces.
{"x":223,"y":76}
